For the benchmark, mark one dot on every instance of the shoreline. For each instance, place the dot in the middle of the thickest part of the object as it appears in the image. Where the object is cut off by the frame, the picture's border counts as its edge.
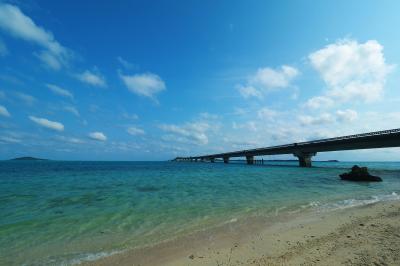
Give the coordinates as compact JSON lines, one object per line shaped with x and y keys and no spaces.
{"x":350,"y":236}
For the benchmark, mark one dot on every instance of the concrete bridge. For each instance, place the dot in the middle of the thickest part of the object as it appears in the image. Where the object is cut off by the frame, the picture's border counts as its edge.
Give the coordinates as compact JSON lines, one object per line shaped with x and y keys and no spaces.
{"x":304,"y":151}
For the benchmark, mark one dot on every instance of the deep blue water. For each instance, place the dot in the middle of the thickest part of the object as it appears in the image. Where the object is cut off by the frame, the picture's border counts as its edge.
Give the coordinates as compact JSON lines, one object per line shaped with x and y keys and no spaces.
{"x":62,"y":212}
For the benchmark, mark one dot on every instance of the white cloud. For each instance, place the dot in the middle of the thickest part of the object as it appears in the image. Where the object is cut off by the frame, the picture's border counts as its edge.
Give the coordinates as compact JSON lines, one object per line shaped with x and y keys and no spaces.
{"x":28,"y":99}
{"x":59,"y":91}
{"x":267,"y":79}
{"x":351,"y":70}
{"x":319,"y":102}
{"x":47,"y":123}
{"x":130,"y":116}
{"x":97,"y":136}
{"x":249,"y":91}
{"x":188,"y":133}
{"x":70,"y":140}
{"x":267,"y":113}
{"x":135,"y":131}
{"x":91,"y":78}
{"x":147,"y":84}
{"x":72,"y":110}
{"x":17,"y":24}
{"x":324,"y":118}
{"x":9,"y":139}
{"x":125,"y":63}
{"x":3,"y":48}
{"x":208,"y":116}
{"x":347,"y":115}
{"x":4,"y":111}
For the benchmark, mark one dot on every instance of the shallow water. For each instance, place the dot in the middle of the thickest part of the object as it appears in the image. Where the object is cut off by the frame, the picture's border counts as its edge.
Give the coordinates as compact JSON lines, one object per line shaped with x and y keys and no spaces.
{"x":65,"y":212}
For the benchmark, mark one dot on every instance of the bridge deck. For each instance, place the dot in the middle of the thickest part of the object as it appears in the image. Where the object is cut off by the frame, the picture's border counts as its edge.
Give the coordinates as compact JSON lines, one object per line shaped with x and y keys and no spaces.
{"x":378,"y":139}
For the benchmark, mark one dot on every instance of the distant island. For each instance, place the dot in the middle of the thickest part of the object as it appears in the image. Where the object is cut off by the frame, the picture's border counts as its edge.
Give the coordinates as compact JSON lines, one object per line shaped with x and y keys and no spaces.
{"x":27,"y":158}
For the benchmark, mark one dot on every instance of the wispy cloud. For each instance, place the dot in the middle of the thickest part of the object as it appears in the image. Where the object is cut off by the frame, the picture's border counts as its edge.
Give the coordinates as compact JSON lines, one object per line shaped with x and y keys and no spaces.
{"x":59,"y":91}
{"x":26,"y":98}
{"x":147,"y":84}
{"x":18,"y":25}
{"x":92,"y":78}
{"x":135,"y":131}
{"x":72,"y":109}
{"x":125,"y":63}
{"x":3,"y":48}
{"x":4,"y":111}
{"x":57,"y":126}
{"x":99,"y":136}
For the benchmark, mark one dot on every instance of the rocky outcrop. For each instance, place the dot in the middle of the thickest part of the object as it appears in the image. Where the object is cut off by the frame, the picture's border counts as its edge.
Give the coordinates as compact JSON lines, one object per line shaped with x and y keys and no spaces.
{"x":360,"y":174}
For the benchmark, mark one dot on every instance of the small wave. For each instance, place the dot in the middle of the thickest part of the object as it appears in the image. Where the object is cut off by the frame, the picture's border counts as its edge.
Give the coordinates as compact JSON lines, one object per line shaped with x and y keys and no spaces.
{"x":349,"y":203}
{"x":91,"y":257}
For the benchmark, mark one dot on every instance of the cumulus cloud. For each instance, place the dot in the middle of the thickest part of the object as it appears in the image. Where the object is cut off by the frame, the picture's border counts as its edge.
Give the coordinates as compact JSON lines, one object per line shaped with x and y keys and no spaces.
{"x":135,"y":131}
{"x":146,"y":84}
{"x":57,"y":126}
{"x":4,"y":111}
{"x":59,"y":91}
{"x":18,"y":25}
{"x":347,"y":115}
{"x":189,"y":133}
{"x":352,"y":70}
{"x":267,"y":79}
{"x":97,"y":136}
{"x":92,"y":78}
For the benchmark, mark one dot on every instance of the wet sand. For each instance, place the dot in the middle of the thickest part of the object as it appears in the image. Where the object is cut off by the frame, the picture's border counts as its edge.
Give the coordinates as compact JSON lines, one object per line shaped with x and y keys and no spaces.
{"x":366,"y":235}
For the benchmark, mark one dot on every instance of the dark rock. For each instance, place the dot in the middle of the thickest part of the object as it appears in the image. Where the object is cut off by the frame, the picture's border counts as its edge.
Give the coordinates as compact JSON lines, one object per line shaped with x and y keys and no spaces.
{"x":360,"y":174}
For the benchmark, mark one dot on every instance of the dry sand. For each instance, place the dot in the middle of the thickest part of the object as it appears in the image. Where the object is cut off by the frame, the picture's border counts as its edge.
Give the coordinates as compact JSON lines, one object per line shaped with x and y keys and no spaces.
{"x":367,"y":235}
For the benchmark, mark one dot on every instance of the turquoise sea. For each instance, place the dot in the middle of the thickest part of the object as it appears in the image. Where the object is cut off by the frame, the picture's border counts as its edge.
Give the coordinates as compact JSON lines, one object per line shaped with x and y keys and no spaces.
{"x":62,"y":213}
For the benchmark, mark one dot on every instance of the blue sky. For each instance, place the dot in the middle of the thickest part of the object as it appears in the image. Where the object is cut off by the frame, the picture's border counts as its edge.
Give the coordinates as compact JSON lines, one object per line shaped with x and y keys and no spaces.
{"x":144,"y":80}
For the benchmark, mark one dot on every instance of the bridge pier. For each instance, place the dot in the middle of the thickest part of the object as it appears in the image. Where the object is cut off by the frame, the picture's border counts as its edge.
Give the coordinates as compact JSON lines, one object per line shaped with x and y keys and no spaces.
{"x":305,"y":158}
{"x":226,"y":159}
{"x":250,"y":159}
{"x":212,"y":160}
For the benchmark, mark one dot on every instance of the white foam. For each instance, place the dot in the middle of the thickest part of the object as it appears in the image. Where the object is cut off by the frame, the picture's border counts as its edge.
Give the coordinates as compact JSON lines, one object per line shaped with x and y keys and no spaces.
{"x":91,"y":257}
{"x":349,"y":203}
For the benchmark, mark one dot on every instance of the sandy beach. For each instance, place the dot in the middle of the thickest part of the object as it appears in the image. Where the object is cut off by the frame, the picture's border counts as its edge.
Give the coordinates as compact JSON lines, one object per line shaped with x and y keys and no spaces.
{"x":365,"y":235}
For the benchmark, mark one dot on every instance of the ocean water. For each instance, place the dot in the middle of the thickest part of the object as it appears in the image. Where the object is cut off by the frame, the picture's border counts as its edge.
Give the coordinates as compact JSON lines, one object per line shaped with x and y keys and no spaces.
{"x":63,"y":213}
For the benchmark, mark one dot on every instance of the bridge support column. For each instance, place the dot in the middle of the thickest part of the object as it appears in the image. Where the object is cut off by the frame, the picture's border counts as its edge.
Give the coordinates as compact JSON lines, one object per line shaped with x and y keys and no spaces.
{"x":226,"y":159}
{"x":305,"y":158}
{"x":212,"y":160}
{"x":250,"y":159}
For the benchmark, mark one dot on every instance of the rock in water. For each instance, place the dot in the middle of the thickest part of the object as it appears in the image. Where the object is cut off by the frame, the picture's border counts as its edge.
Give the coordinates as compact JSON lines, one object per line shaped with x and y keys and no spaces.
{"x":360,"y":174}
